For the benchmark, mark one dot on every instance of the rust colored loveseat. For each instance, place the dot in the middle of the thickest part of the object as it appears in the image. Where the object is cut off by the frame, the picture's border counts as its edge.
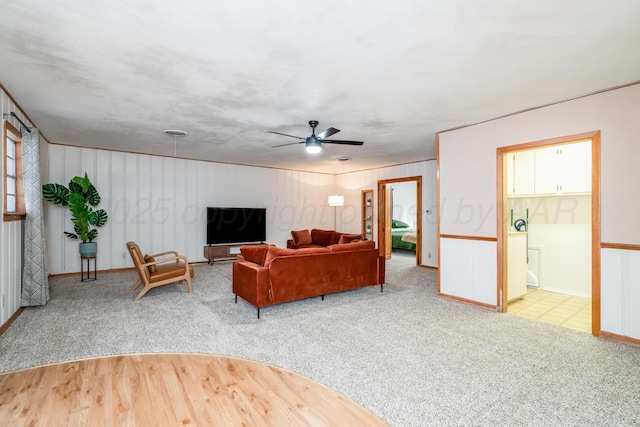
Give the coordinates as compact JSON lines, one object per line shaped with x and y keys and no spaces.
{"x":270,"y":275}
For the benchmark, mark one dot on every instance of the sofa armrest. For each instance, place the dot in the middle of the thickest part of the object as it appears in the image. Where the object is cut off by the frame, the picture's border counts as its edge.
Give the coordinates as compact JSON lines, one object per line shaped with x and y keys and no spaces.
{"x":251,"y":283}
{"x":290,"y":244}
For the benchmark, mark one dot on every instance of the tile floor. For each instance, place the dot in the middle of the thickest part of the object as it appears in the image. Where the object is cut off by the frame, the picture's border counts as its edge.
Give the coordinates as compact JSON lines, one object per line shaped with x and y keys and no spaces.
{"x":559,"y":309}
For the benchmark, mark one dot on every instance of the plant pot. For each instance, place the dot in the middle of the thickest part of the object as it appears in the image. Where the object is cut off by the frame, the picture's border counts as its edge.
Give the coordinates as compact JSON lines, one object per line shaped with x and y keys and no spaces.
{"x":88,"y":249}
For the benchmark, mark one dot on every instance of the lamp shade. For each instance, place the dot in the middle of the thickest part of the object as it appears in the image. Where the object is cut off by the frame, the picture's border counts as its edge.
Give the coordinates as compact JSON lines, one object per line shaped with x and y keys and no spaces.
{"x":336,"y":200}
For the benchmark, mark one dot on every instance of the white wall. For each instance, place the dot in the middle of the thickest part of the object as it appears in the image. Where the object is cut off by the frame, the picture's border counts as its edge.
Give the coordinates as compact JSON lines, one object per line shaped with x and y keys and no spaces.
{"x":404,"y":202}
{"x":467,"y":159}
{"x":560,"y":229}
{"x":352,"y":183}
{"x":160,"y":202}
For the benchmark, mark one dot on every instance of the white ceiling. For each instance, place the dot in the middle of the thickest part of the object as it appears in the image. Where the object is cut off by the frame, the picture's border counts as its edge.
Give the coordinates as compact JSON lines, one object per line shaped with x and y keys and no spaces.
{"x":114,"y":73}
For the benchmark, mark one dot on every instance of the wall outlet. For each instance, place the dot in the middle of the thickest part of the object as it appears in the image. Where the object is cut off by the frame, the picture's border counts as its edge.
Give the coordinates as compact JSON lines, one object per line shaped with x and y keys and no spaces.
{"x":2,"y":303}
{"x":124,"y":256}
{"x":428,"y":254}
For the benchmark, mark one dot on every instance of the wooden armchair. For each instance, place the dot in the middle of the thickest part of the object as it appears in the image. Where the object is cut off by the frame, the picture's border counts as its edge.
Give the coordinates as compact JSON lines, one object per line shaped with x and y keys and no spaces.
{"x":159,"y":269}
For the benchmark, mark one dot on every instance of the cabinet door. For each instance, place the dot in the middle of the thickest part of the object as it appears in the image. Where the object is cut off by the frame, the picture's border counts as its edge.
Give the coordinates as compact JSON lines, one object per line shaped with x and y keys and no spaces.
{"x":546,"y":171}
{"x":523,"y":178}
{"x":575,"y":167}
{"x":511,"y":184}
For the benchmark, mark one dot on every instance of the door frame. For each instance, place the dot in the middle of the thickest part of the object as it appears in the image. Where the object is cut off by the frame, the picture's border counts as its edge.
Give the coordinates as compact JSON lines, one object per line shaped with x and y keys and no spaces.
{"x":501,"y":189}
{"x":384,"y":220}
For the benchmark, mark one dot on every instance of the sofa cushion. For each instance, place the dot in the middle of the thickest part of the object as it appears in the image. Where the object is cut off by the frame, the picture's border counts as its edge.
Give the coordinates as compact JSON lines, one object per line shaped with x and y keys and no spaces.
{"x":348,"y":238}
{"x":255,"y":253}
{"x":274,"y":252}
{"x":324,"y":237}
{"x":149,"y":258}
{"x":301,"y":237}
{"x":312,"y":250}
{"x":169,"y":270}
{"x":353,"y":246}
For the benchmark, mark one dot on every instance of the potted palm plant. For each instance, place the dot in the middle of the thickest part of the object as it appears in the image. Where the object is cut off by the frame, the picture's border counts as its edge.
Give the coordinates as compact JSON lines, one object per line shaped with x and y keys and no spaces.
{"x":80,"y":198}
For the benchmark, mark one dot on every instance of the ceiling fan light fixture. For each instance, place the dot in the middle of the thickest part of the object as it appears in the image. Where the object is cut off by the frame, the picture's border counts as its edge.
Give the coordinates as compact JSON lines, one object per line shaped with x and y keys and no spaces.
{"x":313,"y":144}
{"x":313,"y":147}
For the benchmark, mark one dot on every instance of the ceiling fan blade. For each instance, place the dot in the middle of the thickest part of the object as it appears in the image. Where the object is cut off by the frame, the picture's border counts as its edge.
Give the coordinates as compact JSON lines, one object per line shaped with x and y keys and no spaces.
{"x":282,"y":145}
{"x":344,"y":142}
{"x":284,"y":134}
{"x":328,"y":132}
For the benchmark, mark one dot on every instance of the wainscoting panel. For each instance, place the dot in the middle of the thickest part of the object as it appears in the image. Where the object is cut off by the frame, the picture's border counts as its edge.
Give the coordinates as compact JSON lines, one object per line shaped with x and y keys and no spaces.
{"x":10,"y":265}
{"x":455,"y":280}
{"x":468,"y":269}
{"x":620,"y":292}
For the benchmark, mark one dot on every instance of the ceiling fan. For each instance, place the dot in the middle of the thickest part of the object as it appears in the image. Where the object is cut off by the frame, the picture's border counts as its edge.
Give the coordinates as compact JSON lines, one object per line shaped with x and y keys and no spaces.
{"x":314,"y":142}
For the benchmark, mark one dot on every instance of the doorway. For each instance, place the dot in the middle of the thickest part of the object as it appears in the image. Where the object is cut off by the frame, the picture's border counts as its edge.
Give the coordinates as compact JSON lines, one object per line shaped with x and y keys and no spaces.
{"x":509,"y":213}
{"x":400,"y":217}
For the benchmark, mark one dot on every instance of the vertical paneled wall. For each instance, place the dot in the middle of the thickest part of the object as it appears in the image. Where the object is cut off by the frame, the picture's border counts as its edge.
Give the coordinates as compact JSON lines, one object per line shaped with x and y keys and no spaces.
{"x":619,"y":304}
{"x":10,"y":233}
{"x":468,"y":269}
{"x":160,"y":202}
{"x":348,"y":216}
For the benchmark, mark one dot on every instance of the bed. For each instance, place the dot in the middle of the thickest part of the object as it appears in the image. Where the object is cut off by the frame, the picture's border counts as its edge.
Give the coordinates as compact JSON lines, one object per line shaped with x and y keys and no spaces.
{"x":402,"y":236}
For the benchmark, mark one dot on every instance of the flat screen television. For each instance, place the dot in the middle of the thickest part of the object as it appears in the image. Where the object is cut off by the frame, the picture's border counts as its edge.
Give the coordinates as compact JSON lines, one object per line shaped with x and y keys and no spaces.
{"x":236,"y":225}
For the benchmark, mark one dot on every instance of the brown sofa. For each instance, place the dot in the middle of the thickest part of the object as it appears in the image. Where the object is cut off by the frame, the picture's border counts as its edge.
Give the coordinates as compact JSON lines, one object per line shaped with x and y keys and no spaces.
{"x":269,"y":275}
{"x":319,"y":238}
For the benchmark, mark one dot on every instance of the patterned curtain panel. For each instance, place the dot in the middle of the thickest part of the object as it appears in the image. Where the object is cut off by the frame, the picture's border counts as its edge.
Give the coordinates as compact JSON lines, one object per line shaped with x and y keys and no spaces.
{"x":35,"y":283}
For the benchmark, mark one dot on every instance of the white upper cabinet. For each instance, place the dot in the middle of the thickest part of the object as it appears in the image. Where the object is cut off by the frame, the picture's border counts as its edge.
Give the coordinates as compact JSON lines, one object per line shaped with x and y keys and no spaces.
{"x":575,"y":167}
{"x":560,"y":169}
{"x":524,"y":178}
{"x":547,"y":165}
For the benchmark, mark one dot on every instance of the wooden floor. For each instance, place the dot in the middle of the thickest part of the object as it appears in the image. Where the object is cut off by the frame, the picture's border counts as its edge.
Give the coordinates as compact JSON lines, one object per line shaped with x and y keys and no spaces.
{"x":171,"y":390}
